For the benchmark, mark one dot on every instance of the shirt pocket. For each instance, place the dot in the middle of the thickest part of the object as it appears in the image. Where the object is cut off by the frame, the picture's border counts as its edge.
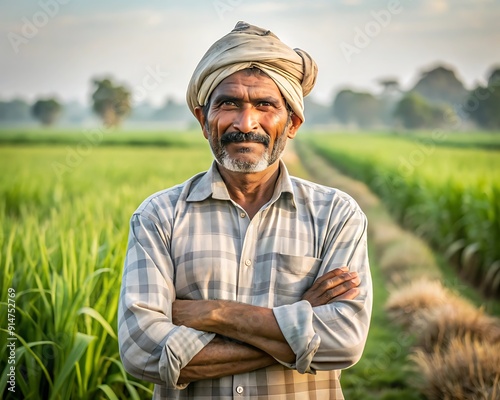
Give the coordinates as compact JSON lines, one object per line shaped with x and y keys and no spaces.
{"x":293,"y":276}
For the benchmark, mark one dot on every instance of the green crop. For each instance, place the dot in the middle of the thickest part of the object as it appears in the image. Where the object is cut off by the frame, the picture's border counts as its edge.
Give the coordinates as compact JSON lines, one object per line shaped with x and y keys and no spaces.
{"x":63,"y":234}
{"x":445,"y":188}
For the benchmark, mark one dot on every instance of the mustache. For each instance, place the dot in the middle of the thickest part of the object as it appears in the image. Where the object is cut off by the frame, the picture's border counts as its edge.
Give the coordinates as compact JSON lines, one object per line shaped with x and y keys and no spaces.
{"x":239,"y":137}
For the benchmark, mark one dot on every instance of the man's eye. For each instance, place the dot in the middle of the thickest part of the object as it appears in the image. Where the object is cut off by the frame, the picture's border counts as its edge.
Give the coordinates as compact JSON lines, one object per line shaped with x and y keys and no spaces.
{"x":265,"y":104}
{"x":228,"y":103}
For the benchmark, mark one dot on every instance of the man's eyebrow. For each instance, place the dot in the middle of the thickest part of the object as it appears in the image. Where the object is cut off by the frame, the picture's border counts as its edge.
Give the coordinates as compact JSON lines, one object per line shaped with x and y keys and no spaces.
{"x":225,"y":97}
{"x":267,"y":99}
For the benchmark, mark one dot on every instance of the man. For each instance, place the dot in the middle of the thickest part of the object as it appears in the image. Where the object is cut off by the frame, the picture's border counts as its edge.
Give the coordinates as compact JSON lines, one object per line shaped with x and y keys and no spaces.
{"x":244,"y":282}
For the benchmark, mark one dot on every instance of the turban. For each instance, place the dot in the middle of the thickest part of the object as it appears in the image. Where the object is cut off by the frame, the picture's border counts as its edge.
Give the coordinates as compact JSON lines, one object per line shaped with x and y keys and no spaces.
{"x":248,"y":46}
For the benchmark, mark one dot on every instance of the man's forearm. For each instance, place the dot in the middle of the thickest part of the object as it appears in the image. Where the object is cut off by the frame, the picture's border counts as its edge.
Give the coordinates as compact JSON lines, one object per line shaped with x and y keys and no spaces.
{"x":255,"y":325}
{"x":223,"y":357}
{"x":250,"y":324}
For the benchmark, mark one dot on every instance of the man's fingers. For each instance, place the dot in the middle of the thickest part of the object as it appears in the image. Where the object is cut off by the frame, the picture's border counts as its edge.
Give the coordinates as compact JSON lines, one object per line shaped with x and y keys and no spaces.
{"x":351,"y":294}
{"x":329,"y":275}
{"x":334,"y":284}
{"x":337,"y":287}
{"x":338,"y":280}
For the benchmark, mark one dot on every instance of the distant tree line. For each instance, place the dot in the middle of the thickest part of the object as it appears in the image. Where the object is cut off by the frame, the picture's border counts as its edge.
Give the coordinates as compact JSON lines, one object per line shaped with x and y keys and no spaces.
{"x":484,"y":102}
{"x":110,"y":102}
{"x":436,"y":98}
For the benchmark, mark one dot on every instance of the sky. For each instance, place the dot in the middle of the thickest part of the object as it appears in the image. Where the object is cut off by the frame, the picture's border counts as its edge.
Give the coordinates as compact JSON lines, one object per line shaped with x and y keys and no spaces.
{"x":57,"y":47}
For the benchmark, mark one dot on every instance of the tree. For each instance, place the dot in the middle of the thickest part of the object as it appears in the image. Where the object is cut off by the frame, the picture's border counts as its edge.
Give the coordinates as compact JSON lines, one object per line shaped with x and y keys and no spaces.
{"x":46,"y":110}
{"x":389,"y":97}
{"x":414,"y":112}
{"x":440,"y":85}
{"x":494,"y":79}
{"x":484,"y":102}
{"x":356,"y":107}
{"x":316,"y":113}
{"x":111,"y":102}
{"x":173,"y":111}
{"x":389,"y":86}
{"x":14,"y":111}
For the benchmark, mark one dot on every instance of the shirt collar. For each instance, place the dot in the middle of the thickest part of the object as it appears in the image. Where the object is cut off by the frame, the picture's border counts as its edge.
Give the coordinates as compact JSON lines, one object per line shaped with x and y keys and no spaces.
{"x":212,"y":184}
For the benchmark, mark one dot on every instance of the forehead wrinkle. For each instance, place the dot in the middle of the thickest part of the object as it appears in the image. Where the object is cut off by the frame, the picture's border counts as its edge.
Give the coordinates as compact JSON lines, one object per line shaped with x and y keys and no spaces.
{"x":242,"y":85}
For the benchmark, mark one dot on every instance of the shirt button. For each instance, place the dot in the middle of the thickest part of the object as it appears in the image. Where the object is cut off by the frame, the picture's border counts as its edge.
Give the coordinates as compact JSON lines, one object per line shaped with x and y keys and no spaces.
{"x":248,"y":262}
{"x":243,"y":215}
{"x":239,"y":390}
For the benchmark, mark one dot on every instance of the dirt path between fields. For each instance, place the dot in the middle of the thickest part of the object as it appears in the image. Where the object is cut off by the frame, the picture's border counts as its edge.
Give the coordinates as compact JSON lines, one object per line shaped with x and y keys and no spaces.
{"x":414,"y":257}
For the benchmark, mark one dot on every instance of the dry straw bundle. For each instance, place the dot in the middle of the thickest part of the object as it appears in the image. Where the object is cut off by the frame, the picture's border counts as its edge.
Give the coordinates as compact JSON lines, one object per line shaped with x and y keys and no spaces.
{"x":440,"y":328}
{"x":457,"y":351}
{"x":468,"y":369}
{"x":416,"y":298}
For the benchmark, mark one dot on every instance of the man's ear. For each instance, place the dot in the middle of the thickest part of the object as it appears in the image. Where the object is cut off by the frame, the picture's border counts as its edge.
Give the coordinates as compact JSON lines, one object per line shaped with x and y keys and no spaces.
{"x":293,"y":126}
{"x":200,"y":116}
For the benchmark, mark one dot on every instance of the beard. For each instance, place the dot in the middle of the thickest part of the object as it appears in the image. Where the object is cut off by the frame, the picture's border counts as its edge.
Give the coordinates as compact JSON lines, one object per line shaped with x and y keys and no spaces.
{"x":222,"y":157}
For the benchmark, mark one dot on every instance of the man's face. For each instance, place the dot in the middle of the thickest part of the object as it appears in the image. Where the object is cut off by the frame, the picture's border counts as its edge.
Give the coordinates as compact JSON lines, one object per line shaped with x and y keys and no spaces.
{"x":247,"y":123}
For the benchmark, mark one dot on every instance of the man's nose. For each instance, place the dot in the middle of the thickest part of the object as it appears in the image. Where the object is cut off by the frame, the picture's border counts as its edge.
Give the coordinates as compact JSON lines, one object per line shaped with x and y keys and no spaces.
{"x":246,"y":120}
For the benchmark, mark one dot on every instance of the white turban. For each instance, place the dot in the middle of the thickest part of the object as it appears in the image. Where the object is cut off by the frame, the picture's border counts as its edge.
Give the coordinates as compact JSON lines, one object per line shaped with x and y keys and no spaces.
{"x":247,"y":46}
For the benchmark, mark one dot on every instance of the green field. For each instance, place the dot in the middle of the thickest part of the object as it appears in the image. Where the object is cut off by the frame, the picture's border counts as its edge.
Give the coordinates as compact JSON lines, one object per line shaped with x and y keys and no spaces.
{"x":446,"y":188}
{"x":65,"y":202}
{"x":64,"y":215}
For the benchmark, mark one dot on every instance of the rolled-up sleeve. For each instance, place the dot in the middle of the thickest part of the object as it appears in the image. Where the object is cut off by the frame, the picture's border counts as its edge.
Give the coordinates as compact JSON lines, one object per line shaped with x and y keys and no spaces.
{"x":152,"y":348}
{"x":333,"y":336}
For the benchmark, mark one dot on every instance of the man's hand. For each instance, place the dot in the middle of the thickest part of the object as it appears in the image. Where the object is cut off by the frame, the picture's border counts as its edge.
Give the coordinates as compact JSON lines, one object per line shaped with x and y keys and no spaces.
{"x":335,"y":285}
{"x":261,"y":341}
{"x":338,"y":284}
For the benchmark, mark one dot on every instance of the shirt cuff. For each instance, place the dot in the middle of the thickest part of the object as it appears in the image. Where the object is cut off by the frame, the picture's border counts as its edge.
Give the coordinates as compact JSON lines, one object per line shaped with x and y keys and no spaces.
{"x":182,"y":345}
{"x":296,"y":324}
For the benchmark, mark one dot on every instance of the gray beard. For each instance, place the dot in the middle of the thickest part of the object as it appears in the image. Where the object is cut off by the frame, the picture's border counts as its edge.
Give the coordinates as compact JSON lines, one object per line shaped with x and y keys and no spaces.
{"x":243,"y":166}
{"x":222,"y":157}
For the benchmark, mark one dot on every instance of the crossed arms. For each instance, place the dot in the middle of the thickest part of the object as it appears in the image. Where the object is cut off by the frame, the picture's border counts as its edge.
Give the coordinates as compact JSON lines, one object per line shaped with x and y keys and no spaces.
{"x":257,"y":338}
{"x":173,"y":342}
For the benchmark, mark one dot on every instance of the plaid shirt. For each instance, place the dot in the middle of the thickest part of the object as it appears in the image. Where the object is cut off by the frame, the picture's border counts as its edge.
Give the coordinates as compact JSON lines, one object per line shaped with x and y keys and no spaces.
{"x":193,"y":242}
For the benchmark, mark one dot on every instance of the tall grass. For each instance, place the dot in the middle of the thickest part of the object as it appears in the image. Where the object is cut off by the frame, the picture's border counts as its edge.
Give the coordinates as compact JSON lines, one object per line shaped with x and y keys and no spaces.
{"x":450,"y":196}
{"x":62,"y":244}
